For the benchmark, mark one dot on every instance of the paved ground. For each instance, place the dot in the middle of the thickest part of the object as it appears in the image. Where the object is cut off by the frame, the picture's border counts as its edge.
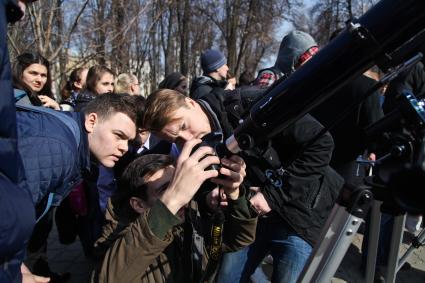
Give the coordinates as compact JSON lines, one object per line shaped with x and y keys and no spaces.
{"x":70,"y":258}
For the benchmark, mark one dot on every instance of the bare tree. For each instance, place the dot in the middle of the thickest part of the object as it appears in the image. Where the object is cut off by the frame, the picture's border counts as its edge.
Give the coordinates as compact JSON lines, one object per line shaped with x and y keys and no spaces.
{"x":183,"y":14}
{"x":327,"y":16}
{"x":151,"y":38}
{"x":244,"y":24}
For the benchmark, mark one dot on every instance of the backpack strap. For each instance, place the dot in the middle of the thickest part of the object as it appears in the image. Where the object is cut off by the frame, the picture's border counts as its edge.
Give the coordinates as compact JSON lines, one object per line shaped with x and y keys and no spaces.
{"x":48,"y":205}
{"x":70,"y":123}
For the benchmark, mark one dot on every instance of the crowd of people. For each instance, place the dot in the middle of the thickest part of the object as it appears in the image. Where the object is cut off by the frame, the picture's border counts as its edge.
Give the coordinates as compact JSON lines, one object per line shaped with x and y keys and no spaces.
{"x":149,"y":201}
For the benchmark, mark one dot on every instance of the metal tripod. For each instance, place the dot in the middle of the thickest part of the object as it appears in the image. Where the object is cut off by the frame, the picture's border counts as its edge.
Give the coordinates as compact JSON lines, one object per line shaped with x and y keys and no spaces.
{"x":340,"y":229}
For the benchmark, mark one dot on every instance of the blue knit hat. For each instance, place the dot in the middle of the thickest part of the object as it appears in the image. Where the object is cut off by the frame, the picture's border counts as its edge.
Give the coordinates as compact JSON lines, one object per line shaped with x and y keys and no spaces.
{"x":211,"y":60}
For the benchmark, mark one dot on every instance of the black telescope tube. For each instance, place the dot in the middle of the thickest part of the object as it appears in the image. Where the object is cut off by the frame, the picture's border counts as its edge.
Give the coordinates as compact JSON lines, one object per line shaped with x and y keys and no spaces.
{"x":384,"y":28}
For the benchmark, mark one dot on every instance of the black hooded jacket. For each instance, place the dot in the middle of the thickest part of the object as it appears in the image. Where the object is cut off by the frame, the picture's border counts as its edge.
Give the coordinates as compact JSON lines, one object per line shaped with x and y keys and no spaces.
{"x":204,"y":85}
{"x":296,"y":180}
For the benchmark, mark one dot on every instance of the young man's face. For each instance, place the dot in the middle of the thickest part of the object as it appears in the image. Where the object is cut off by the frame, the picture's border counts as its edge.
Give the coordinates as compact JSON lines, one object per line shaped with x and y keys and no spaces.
{"x":143,"y":135}
{"x":157,"y":183}
{"x":187,"y":123}
{"x":222,"y":71}
{"x":105,"y":84}
{"x":108,"y":138}
{"x":155,"y":186}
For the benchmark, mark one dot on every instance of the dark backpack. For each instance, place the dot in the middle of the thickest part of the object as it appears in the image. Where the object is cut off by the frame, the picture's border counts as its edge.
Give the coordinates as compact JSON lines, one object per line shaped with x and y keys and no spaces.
{"x":239,"y":101}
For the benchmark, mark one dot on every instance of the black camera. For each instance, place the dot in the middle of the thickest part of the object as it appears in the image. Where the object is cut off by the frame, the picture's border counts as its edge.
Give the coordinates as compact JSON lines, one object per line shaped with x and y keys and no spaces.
{"x":214,"y":140}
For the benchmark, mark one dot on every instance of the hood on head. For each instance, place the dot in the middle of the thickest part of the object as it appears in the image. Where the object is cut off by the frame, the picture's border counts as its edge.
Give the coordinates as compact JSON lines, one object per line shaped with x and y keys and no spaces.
{"x":293,"y":45}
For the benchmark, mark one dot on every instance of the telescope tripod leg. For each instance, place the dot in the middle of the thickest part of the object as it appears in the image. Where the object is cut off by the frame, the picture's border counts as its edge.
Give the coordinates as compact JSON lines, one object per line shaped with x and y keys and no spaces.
{"x":337,"y":234}
{"x":396,"y":240}
{"x":332,"y":246}
{"x":372,"y":244}
{"x":420,"y":240}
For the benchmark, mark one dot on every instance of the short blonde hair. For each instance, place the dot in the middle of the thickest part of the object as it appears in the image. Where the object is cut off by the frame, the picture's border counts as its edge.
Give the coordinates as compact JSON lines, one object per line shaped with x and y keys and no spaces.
{"x":123,"y":81}
{"x":160,"y":107}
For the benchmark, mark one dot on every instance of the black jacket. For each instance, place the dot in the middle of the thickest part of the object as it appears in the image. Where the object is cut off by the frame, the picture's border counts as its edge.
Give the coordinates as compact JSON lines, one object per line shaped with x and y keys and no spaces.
{"x":204,"y":85}
{"x":83,"y":99}
{"x":305,"y":194}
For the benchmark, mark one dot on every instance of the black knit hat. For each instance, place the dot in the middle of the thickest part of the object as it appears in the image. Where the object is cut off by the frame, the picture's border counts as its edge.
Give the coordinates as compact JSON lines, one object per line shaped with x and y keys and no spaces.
{"x":211,"y":60}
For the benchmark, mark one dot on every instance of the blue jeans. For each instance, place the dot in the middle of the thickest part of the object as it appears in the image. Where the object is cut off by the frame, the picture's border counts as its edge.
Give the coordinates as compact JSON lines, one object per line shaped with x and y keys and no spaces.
{"x":289,"y":251}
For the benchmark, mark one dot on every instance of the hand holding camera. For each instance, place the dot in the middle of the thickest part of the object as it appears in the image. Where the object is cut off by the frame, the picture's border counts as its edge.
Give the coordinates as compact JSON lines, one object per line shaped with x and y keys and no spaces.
{"x":191,"y":172}
{"x":232,"y":171}
{"x":232,"y":174}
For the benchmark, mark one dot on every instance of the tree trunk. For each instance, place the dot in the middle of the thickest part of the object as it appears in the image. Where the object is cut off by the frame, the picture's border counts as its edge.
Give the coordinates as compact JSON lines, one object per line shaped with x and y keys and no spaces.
{"x":184,"y":19}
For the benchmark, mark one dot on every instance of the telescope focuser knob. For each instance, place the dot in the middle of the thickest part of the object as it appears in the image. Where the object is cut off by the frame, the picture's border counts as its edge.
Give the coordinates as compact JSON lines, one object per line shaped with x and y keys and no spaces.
{"x":398,"y":150}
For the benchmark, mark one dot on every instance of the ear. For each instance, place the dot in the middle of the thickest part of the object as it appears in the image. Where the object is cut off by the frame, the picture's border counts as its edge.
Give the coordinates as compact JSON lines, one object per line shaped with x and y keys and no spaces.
{"x":137,"y":204}
{"x":190,"y":102}
{"x":132,"y":88}
{"x":78,"y":85}
{"x":90,"y":122}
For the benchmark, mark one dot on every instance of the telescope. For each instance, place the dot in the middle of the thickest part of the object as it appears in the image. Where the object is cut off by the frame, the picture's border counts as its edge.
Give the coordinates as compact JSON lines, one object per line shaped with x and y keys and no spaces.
{"x":387,"y":34}
{"x":383,"y":32}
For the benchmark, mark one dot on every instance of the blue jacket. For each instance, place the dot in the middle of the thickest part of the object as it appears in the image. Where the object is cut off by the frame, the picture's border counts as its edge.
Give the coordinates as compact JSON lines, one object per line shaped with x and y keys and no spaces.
{"x":16,"y":207}
{"x":53,"y":161}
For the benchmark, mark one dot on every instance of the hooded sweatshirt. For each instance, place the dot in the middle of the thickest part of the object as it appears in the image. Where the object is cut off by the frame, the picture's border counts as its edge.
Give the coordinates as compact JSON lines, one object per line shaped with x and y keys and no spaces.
{"x":293,"y":45}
